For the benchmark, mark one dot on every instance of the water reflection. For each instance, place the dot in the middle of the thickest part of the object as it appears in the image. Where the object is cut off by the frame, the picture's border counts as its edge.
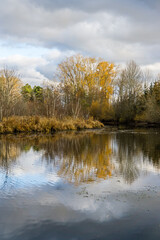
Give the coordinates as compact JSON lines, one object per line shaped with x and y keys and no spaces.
{"x":86,"y":156}
{"x":80,"y":185}
{"x":137,"y":150}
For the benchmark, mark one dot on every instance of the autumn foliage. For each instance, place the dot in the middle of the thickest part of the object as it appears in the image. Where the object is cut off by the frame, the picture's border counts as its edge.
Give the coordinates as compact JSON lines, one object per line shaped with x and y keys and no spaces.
{"x":36,"y":124}
{"x":82,"y":88}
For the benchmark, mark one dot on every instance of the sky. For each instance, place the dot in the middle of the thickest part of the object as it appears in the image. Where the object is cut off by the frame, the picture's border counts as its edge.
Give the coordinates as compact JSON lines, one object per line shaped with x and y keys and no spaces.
{"x":36,"y":35}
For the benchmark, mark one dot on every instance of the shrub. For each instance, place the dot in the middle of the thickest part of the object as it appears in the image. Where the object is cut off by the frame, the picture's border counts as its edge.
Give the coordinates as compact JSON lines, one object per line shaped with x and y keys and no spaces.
{"x":46,"y":125}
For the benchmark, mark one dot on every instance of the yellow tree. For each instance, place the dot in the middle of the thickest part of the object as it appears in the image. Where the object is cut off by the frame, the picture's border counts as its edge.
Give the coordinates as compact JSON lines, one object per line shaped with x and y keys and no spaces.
{"x":84,"y":80}
{"x":105,"y":74}
{"x":103,"y":80}
{"x":74,"y":73}
{"x":10,"y":86}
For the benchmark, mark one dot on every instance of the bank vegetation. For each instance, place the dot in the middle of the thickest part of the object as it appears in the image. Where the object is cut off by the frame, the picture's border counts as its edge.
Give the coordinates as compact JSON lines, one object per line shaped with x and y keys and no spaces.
{"x":83,"y":91}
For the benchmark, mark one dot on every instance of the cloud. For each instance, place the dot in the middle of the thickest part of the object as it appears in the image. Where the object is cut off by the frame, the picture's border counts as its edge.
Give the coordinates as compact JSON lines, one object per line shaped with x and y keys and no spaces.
{"x":26,"y":67}
{"x":35,"y":70}
{"x":53,"y":58}
{"x":115,"y":30}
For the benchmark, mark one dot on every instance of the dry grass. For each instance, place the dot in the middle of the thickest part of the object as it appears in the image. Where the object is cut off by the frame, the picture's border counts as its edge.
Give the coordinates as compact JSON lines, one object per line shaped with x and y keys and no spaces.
{"x":47,"y":125}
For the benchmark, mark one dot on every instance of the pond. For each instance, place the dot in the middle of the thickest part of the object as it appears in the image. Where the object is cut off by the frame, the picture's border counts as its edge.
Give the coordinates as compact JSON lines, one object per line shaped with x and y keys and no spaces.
{"x":89,"y":185}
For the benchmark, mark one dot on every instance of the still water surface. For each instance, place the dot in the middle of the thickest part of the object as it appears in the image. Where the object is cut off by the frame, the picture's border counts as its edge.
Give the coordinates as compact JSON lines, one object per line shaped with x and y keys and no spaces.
{"x":89,"y":185}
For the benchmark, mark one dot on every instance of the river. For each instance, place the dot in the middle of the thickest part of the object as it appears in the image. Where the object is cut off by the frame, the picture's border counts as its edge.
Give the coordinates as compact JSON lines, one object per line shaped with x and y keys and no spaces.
{"x":87,"y":185}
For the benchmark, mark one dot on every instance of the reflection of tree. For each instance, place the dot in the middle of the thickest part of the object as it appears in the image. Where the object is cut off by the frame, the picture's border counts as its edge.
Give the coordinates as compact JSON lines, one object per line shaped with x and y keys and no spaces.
{"x":125,"y":154}
{"x":81,"y":157}
{"x":150,"y":146}
{"x":9,"y":151}
{"x":133,"y":147}
{"x":86,"y":156}
{"x":87,"y":159}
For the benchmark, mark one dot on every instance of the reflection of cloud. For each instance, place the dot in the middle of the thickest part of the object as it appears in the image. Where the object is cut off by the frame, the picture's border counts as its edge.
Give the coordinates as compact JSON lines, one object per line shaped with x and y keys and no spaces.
{"x":28,"y":171}
{"x":102,"y":202}
{"x":35,"y":193}
{"x":91,"y":157}
{"x":148,"y":167}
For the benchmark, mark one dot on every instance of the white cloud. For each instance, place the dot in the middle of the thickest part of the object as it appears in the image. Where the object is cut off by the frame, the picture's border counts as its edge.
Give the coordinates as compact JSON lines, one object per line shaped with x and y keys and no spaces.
{"x":35,"y":70}
{"x":26,"y":67}
{"x":117,"y":31}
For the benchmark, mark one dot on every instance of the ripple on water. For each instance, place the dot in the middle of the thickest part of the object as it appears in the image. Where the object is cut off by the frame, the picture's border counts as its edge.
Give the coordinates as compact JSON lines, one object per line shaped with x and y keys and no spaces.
{"x":90,"y":183}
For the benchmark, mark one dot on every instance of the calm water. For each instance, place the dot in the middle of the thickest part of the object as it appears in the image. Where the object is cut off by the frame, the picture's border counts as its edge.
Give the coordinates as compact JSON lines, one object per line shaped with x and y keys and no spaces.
{"x":91,"y":185}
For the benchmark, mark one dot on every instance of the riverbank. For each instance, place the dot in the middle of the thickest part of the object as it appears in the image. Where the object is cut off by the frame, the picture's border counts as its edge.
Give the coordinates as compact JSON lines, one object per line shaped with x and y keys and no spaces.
{"x":132,"y":124}
{"x":36,"y":124}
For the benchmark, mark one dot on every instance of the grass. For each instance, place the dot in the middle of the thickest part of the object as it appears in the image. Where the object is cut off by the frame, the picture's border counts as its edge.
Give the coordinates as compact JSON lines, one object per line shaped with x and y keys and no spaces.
{"x":38,"y":124}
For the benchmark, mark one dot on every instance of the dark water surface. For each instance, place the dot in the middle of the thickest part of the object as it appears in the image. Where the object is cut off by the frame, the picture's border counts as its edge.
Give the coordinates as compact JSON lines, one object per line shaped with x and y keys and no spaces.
{"x":91,"y":185}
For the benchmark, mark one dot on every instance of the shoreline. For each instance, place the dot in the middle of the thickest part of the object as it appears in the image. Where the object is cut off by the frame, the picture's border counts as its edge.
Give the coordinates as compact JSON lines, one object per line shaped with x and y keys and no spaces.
{"x":132,"y":124}
{"x":36,"y":124}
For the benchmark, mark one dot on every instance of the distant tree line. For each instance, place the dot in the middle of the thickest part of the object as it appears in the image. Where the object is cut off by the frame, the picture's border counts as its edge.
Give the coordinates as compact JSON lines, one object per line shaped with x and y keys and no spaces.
{"x":84,"y":87}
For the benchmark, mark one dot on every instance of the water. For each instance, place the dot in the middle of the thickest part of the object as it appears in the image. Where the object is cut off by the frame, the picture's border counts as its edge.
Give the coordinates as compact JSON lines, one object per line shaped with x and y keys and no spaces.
{"x":90,"y":185}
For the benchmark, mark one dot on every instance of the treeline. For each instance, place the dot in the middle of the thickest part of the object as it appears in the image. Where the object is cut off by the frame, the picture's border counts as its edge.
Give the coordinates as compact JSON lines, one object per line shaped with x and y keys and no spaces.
{"x":84,"y":87}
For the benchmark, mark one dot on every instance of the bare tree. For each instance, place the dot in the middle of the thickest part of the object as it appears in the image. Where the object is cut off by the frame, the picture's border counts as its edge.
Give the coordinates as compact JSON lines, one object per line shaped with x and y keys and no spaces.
{"x":129,"y":89}
{"x":10,"y":86}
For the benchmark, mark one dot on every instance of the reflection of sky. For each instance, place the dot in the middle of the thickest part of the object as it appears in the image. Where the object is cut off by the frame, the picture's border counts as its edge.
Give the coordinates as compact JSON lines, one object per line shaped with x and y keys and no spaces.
{"x":29,"y":171}
{"x":34,"y":193}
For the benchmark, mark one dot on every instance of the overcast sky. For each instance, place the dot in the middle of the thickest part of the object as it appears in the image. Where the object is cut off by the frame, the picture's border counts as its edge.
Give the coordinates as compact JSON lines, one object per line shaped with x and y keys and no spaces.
{"x":35,"y":35}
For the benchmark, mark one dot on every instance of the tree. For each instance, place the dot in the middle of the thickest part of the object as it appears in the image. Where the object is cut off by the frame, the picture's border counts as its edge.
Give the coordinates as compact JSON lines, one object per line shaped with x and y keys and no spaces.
{"x":27,"y":92}
{"x":10,"y":85}
{"x":84,"y":80}
{"x":38,"y":93}
{"x":52,"y":100}
{"x":152,"y":111}
{"x":129,"y":89}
